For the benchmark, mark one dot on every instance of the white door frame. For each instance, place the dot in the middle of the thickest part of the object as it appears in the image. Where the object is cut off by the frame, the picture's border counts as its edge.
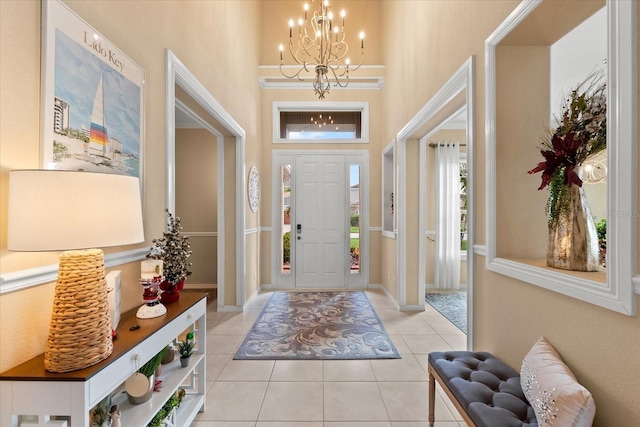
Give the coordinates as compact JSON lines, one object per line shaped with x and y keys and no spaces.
{"x":462,"y":80}
{"x":282,"y":157}
{"x":178,"y":74}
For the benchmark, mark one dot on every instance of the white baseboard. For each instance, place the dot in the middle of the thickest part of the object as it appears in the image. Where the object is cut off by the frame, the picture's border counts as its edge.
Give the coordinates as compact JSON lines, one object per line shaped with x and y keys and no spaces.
{"x":386,"y":292}
{"x":412,"y":308}
{"x":230,"y":308}
{"x":250,"y":300}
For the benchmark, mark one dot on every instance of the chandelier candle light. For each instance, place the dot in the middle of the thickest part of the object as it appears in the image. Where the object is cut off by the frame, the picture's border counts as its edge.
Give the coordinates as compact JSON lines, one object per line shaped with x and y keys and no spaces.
{"x":321,"y":46}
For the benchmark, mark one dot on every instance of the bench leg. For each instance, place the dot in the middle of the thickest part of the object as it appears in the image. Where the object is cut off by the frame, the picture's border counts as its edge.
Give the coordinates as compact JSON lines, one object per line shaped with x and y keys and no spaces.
{"x":432,"y":398}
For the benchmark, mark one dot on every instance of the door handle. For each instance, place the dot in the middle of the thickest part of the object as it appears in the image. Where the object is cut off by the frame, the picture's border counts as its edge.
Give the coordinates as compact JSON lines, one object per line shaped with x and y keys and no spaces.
{"x":299,"y":237}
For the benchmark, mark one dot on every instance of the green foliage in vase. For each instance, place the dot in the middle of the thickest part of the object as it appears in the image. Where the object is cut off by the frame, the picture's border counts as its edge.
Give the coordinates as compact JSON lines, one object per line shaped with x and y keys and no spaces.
{"x":559,"y":199}
{"x":601,"y":230}
{"x":174,"y":251}
{"x":150,"y":367}
{"x":581,"y":133}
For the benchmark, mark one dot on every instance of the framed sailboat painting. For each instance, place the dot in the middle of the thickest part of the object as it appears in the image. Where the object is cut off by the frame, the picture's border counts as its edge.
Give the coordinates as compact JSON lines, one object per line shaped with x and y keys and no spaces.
{"x":92,"y":98}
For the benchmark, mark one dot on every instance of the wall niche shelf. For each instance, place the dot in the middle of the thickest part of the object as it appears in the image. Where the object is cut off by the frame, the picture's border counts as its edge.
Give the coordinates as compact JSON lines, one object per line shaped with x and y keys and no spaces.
{"x":65,"y":399}
{"x":388,"y":191}
{"x":517,"y":107}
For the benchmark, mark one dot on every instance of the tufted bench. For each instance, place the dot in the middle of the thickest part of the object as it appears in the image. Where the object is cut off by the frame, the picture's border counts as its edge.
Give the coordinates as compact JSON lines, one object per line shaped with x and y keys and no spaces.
{"x":484,"y":389}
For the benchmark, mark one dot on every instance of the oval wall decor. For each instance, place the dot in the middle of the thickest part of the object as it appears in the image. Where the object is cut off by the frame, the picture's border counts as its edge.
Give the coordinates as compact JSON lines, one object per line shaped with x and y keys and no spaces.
{"x":253,"y":189}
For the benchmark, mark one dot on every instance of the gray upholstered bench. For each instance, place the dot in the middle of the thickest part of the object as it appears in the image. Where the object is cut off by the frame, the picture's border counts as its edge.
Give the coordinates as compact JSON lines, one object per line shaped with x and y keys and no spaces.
{"x":485,"y":390}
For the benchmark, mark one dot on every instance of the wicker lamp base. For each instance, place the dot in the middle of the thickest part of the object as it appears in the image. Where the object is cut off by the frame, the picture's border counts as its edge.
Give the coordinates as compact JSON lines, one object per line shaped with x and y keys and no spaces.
{"x":80,"y":329}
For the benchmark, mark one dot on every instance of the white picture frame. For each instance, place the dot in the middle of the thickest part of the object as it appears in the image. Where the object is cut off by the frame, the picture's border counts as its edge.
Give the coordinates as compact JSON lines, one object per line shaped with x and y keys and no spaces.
{"x":92,"y":99}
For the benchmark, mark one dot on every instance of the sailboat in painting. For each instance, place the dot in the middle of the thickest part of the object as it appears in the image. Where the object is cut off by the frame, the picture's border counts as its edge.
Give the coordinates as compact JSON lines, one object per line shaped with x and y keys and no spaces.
{"x":98,"y":137}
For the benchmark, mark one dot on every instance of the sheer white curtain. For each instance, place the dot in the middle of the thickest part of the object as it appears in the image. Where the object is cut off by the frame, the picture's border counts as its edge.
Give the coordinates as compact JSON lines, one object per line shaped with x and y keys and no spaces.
{"x":447,"y":271}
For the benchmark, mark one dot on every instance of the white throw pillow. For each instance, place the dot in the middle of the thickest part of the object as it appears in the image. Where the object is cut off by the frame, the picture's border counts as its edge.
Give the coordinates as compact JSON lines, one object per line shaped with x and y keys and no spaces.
{"x":553,"y":391}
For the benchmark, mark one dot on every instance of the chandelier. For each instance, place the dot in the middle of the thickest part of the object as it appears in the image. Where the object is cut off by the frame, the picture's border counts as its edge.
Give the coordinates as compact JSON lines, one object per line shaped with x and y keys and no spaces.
{"x":321,"y":47}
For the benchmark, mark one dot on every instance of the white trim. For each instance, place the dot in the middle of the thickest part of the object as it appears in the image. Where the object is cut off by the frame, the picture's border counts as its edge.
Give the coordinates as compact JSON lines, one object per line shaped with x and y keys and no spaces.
{"x":480,"y":250}
{"x":23,"y":279}
{"x":265,"y":229}
{"x":618,"y":293}
{"x":252,"y":231}
{"x":282,"y":157}
{"x":200,"y":122}
{"x":376,"y":228}
{"x":413,"y":307}
{"x":229,"y":308}
{"x":370,"y":78}
{"x":199,"y":233}
{"x":395,"y":302}
{"x":386,"y":292}
{"x":430,"y":232}
{"x":295,"y":67}
{"x":178,"y":73}
{"x":388,"y":183}
{"x":462,"y":80}
{"x":279,"y":106}
{"x":636,"y":284}
{"x":221,"y":221}
{"x":250,"y":300}
{"x":355,"y":83}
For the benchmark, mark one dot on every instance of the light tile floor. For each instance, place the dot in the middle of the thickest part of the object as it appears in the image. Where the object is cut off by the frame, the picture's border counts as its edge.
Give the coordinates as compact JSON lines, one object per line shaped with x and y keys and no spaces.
{"x":329,"y":393}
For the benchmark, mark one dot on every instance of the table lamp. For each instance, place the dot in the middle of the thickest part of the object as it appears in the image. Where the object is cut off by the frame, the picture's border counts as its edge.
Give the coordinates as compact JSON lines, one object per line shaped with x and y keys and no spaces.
{"x":52,"y":210}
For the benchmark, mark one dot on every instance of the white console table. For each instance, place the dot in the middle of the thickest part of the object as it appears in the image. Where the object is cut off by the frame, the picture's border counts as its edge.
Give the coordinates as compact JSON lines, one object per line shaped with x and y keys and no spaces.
{"x":31,"y":396}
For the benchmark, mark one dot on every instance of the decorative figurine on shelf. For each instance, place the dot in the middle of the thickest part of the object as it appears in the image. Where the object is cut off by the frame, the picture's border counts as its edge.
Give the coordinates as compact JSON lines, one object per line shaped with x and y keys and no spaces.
{"x":150,"y":279}
{"x":115,"y":416}
{"x":174,"y":250}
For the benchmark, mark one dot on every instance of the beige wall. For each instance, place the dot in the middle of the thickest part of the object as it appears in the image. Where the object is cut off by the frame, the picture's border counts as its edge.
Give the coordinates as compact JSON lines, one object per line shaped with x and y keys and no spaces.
{"x":421,"y":44}
{"x":197,"y":200}
{"x":600,"y":346}
{"x":375,"y":146}
{"x":204,"y":36}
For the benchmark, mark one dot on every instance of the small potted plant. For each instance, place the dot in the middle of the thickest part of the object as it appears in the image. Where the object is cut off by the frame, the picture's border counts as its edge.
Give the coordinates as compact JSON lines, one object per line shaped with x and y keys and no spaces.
{"x":185,"y":348}
{"x":174,"y":251}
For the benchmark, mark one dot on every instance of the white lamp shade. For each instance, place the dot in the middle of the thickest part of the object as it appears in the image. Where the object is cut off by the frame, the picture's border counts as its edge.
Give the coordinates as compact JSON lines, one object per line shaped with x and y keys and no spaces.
{"x":62,"y":210}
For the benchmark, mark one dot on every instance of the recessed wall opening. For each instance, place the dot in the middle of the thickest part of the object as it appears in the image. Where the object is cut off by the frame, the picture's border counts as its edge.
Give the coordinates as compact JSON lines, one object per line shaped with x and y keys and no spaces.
{"x":320,"y":125}
{"x":320,"y":122}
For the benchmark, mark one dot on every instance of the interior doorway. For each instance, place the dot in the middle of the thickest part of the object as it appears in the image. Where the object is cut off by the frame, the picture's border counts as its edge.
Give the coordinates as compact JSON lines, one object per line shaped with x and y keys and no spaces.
{"x":320,"y":218}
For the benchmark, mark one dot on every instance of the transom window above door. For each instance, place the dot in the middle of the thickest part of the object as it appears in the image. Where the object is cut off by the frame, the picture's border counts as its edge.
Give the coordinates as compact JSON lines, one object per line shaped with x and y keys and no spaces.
{"x":320,"y":122}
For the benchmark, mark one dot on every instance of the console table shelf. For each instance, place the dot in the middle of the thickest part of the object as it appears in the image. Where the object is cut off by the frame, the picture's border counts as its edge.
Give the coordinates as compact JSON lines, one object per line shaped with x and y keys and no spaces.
{"x":29,"y":390}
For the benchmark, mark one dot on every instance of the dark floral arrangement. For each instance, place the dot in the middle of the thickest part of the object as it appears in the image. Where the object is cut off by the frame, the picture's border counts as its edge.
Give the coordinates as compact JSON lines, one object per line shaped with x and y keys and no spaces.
{"x":174,"y":251}
{"x":582,"y":132}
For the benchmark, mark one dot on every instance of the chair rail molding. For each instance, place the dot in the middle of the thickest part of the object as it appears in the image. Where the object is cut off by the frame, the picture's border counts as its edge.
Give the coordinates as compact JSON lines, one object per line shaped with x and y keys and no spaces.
{"x":23,"y":279}
{"x":618,"y":292}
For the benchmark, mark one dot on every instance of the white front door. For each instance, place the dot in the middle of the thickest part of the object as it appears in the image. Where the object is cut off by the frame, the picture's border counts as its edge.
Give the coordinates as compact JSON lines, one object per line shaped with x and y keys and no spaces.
{"x":319,"y":234}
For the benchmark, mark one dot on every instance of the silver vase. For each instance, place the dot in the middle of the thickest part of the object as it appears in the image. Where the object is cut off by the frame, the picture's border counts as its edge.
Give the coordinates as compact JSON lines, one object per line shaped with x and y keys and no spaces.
{"x":573,"y":241}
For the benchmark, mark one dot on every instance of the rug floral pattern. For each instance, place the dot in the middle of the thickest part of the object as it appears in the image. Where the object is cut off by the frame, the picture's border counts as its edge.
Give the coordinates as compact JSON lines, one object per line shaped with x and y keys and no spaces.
{"x":317,"y":325}
{"x":452,"y":305}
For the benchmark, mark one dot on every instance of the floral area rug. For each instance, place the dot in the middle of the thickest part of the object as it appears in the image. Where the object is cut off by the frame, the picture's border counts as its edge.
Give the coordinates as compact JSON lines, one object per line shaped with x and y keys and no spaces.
{"x":317,"y":325}
{"x":452,"y":305}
